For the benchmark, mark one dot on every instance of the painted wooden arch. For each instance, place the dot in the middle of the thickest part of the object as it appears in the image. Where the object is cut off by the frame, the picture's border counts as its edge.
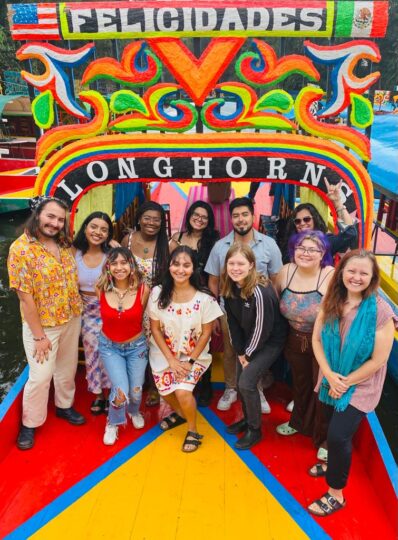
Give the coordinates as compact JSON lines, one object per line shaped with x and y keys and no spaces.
{"x":296,"y":159}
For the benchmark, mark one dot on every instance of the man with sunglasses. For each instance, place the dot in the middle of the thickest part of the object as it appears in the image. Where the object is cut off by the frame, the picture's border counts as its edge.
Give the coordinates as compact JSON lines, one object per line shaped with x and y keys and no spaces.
{"x":268,"y":263}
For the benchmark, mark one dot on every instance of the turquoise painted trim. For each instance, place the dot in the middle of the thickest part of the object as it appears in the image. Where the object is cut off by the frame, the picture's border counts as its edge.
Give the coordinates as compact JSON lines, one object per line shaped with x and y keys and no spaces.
{"x":13,"y":393}
{"x":287,"y":501}
{"x":49,"y":512}
{"x":384,"y":449}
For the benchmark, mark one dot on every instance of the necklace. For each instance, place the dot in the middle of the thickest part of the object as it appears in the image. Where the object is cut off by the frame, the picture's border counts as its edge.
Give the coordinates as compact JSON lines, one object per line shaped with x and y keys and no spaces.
{"x":145,"y":250}
{"x":120,"y":298}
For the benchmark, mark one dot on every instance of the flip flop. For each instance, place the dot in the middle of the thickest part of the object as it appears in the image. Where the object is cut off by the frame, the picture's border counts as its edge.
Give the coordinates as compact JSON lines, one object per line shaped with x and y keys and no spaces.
{"x":173,"y":420}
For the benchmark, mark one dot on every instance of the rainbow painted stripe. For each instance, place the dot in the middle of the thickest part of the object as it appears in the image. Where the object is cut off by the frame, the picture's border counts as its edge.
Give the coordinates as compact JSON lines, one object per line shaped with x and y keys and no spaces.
{"x":324,"y":153}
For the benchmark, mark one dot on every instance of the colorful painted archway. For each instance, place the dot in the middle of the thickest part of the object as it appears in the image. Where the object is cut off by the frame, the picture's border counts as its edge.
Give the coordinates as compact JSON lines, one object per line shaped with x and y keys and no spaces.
{"x":261,"y":139}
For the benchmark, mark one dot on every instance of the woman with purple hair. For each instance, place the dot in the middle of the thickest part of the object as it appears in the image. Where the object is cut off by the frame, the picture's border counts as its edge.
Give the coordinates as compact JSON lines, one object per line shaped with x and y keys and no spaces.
{"x":302,"y":284}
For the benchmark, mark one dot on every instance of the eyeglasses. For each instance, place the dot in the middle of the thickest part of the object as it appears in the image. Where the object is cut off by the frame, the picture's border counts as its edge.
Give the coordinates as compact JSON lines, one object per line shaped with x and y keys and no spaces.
{"x":154,"y":220}
{"x":310,"y":251}
{"x":306,"y":219}
{"x":200,"y":217}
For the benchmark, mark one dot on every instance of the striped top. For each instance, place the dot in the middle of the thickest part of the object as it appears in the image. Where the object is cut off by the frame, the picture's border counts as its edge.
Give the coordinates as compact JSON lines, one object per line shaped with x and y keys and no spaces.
{"x":255,"y":322}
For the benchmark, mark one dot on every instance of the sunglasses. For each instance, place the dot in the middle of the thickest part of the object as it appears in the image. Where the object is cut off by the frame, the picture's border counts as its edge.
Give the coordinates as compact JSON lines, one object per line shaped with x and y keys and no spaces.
{"x":306,"y":219}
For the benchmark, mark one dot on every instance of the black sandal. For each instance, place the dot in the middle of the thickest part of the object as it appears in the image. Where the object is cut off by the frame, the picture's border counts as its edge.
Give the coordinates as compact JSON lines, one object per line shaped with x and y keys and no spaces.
{"x":319,"y":471}
{"x":332,"y":506}
{"x":191,"y":439}
{"x":98,"y":406}
{"x":172,"y":421}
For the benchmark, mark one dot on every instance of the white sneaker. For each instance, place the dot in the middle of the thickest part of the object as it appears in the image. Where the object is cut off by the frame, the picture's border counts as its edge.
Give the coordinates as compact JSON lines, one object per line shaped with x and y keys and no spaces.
{"x":110,"y":434}
{"x":289,"y":406}
{"x":265,"y":406}
{"x":229,"y":396}
{"x":138,"y":420}
{"x":322,"y":454}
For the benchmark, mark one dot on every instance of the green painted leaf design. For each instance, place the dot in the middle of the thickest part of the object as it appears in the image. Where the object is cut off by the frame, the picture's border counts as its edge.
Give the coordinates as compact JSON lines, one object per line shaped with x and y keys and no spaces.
{"x":361,"y":111}
{"x":278,"y":100}
{"x":43,"y":109}
{"x":126,"y":100}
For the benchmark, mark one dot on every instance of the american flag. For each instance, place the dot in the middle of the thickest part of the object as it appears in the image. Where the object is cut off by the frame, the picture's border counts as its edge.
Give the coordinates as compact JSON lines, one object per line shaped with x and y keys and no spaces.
{"x":35,"y":21}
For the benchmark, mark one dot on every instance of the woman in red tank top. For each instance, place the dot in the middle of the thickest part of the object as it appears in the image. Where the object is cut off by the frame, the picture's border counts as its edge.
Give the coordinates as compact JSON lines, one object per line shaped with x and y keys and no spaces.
{"x":122,"y":345}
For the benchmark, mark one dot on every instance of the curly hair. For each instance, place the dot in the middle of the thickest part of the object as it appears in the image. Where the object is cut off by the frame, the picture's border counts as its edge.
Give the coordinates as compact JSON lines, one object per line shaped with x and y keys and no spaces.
{"x":105,"y":281}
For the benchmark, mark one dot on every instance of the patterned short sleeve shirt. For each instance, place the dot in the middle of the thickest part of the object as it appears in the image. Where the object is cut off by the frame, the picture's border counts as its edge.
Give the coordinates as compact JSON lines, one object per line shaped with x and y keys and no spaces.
{"x":53,"y":284}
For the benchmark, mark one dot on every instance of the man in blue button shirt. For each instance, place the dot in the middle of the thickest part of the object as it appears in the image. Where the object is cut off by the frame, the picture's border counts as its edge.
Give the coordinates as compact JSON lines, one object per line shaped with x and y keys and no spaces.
{"x":268,"y":263}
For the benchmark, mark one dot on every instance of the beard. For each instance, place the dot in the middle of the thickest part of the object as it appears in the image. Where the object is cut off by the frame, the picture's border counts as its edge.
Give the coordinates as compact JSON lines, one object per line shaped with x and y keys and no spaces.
{"x":47,"y":233}
{"x":243,"y":232}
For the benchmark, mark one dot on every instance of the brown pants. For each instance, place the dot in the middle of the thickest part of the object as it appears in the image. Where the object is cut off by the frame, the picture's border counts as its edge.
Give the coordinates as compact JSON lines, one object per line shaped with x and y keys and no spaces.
{"x":308,"y":416}
{"x":229,"y":355}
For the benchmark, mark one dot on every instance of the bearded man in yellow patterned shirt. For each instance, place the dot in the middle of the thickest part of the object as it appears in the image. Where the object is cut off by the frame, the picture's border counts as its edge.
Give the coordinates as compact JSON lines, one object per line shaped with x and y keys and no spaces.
{"x":43,"y":273}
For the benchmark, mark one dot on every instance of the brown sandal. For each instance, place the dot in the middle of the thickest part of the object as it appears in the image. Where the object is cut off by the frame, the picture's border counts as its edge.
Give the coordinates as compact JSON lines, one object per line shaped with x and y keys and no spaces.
{"x":153,"y":398}
{"x":331,"y":506}
{"x":191,"y":439}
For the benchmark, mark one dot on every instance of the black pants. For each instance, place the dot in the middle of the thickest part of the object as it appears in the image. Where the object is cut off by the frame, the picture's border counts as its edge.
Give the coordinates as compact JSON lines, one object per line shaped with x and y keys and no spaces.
{"x":248,"y":378}
{"x":342,"y":428}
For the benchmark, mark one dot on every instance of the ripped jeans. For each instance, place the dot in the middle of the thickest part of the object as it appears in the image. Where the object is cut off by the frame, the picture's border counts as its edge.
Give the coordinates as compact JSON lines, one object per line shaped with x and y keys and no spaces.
{"x":125,"y":365}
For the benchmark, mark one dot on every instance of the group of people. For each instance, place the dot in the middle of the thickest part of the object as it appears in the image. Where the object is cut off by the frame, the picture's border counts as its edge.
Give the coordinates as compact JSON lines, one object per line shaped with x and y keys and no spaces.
{"x":151,"y":299}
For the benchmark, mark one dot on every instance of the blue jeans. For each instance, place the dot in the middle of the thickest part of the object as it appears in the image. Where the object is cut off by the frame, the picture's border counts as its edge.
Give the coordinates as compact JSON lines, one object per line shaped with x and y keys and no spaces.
{"x":125,"y":365}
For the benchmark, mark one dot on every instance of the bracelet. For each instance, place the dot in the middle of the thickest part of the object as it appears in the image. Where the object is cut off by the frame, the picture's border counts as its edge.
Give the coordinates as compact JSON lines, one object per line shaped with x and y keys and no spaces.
{"x":40,"y":338}
{"x":191,"y":360}
{"x":341,"y":208}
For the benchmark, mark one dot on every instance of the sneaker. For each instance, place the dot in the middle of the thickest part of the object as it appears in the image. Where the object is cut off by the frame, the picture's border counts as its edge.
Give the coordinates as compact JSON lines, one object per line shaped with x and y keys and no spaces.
{"x":289,"y":406}
{"x":138,"y":420}
{"x":229,"y":396}
{"x":285,"y":429}
{"x":322,"y":454}
{"x":265,"y":406}
{"x":110,"y":435}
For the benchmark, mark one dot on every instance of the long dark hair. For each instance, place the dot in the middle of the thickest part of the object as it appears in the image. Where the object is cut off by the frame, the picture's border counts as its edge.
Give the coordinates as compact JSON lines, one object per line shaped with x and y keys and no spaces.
{"x":336,"y":294}
{"x":209,"y":234}
{"x":81,"y":242}
{"x":32,"y":224}
{"x":168,"y":282}
{"x":161,"y":253}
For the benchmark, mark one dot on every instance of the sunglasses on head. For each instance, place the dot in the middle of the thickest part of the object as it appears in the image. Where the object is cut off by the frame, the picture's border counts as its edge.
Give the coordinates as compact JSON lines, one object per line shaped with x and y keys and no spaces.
{"x":306,"y":219}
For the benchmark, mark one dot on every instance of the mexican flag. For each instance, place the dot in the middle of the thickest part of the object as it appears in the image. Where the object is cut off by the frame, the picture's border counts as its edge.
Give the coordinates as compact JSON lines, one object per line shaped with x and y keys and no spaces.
{"x":361,"y":19}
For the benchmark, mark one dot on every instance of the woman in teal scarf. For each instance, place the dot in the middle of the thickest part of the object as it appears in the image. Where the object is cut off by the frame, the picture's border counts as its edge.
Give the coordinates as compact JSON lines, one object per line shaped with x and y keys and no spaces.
{"x":352,"y":340}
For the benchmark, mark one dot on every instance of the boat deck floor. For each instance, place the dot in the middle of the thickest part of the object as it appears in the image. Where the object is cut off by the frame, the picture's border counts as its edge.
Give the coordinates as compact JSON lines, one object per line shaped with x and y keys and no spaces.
{"x":144,"y":487}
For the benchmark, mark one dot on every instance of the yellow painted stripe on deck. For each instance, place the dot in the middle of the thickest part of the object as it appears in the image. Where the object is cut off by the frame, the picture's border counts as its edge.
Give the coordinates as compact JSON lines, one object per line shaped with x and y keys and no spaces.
{"x":163,"y":494}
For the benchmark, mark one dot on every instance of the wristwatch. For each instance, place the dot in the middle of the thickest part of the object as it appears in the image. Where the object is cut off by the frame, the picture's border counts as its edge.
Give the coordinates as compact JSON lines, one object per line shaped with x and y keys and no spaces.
{"x":191,"y":360}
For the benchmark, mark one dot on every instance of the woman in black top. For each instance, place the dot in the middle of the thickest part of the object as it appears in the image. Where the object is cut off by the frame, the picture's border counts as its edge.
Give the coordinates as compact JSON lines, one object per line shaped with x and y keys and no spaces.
{"x":305,"y":217}
{"x":258,"y":333}
{"x":199,"y":234}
